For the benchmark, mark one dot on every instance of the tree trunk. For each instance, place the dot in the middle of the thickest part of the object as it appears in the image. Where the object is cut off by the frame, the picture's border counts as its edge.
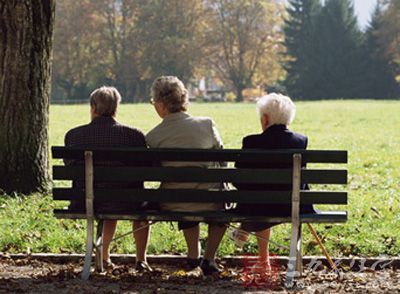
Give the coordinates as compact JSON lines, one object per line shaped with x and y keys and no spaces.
{"x":239,"y":92}
{"x":26,"y":28}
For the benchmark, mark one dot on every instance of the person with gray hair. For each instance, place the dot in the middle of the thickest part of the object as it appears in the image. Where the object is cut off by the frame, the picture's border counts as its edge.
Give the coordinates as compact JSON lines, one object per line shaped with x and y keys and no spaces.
{"x":105,"y":131}
{"x":276,"y":112}
{"x":104,"y":101}
{"x":181,"y":130}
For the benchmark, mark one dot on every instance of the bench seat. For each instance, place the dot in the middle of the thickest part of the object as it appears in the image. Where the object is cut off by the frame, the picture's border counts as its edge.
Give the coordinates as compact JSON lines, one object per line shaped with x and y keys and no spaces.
{"x":212,"y":216}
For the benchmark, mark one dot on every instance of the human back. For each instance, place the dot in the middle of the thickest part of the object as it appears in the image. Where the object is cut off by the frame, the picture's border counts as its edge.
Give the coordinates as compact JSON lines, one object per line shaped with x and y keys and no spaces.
{"x":105,"y":131}
{"x":184,"y":131}
{"x":181,"y":130}
{"x":275,"y":137}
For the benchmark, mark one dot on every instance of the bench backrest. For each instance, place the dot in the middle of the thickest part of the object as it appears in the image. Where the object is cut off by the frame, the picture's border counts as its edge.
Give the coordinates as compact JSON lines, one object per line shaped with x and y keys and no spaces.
{"x":148,"y":170}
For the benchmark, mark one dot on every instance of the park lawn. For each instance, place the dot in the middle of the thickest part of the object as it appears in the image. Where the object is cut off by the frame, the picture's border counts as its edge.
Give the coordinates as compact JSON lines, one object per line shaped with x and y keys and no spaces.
{"x":369,"y":130}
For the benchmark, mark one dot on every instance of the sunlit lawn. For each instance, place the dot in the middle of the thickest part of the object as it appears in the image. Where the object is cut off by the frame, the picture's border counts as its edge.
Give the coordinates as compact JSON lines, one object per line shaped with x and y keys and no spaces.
{"x":369,"y":130}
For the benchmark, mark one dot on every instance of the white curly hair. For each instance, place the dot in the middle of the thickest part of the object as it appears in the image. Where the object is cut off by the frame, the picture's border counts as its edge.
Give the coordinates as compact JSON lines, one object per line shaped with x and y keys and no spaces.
{"x":280,"y":109}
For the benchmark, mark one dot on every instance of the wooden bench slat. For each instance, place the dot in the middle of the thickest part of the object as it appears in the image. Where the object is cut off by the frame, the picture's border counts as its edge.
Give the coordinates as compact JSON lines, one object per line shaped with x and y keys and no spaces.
{"x":272,"y":156}
{"x":324,"y":176}
{"x":164,"y":195}
{"x":193,"y":174}
{"x":322,"y":217}
{"x":171,"y":174}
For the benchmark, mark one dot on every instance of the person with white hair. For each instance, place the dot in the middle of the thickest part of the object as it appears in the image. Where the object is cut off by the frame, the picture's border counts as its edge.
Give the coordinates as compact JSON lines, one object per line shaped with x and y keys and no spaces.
{"x":276,"y":113}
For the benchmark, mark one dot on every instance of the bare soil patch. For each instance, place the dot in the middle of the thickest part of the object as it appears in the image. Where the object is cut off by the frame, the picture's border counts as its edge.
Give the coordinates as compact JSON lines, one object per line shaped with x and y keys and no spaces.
{"x":28,"y":275}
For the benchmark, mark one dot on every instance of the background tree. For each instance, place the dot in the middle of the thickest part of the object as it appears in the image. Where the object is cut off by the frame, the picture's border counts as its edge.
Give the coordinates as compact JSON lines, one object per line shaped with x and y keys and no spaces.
{"x":118,"y":44}
{"x":75,"y":50}
{"x":270,"y":73}
{"x":95,"y":43}
{"x":170,"y":38}
{"x":126,"y":43}
{"x":300,"y":40}
{"x":26,"y":29}
{"x":241,"y":32}
{"x":389,"y":34}
{"x":341,"y":67}
{"x":380,"y":78}
{"x":324,"y":47}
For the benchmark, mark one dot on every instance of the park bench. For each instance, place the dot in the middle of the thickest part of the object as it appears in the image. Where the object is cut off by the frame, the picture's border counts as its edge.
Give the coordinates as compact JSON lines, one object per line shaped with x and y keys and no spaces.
{"x":150,"y":170}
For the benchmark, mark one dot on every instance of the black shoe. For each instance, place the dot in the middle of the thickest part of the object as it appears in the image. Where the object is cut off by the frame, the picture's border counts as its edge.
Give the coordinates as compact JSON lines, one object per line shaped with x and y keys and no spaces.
{"x":192,"y":263}
{"x":143,"y":267}
{"x":209,"y":268}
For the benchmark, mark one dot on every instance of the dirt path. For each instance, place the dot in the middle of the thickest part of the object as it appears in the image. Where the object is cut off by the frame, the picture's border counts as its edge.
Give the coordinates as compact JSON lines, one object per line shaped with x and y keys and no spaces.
{"x":33,"y":276}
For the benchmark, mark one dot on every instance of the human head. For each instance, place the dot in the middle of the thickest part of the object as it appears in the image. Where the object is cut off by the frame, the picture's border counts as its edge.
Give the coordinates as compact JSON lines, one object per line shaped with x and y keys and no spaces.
{"x":275,"y":109}
{"x":104,"y":101}
{"x":171,"y":93}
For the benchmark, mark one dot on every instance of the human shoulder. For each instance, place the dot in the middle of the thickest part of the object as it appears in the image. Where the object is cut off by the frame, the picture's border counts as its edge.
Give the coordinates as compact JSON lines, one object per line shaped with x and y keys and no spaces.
{"x":207,"y":123}
{"x":75,"y":132}
{"x":300,"y":137}
{"x":152,"y":137}
{"x":130,"y":129}
{"x":204,"y":119}
{"x":251,"y":140}
{"x":203,"y":122}
{"x":153,"y":131}
{"x":133,"y":135}
{"x":77,"y":129}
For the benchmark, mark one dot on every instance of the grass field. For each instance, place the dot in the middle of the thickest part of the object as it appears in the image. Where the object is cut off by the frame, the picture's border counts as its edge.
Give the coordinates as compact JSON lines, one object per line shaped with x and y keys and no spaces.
{"x":369,"y":130}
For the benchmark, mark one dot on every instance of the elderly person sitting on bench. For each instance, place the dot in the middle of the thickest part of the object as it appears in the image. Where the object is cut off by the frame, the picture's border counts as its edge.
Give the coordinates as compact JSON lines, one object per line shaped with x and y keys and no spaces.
{"x":181,"y":130}
{"x":275,"y":112}
{"x":105,"y":131}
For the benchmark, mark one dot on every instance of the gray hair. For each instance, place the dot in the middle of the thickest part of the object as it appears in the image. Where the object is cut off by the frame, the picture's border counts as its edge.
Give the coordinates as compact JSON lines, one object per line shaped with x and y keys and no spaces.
{"x":279,"y":108}
{"x":171,"y":92}
{"x":105,"y":100}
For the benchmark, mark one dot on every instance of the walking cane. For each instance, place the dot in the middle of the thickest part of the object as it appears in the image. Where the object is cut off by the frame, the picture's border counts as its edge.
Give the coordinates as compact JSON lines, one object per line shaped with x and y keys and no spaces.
{"x":314,"y":233}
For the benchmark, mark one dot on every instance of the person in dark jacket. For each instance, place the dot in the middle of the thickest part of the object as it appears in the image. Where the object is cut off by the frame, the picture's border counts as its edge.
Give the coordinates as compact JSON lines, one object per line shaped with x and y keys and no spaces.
{"x":105,"y":131}
{"x":276,"y":112}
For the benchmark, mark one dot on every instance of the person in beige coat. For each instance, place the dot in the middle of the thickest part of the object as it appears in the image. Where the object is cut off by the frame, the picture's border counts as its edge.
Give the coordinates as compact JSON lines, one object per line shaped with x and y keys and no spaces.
{"x":181,"y":130}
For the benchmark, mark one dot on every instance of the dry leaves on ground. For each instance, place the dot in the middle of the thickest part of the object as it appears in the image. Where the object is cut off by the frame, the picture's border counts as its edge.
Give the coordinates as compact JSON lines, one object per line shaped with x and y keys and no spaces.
{"x":33,"y":276}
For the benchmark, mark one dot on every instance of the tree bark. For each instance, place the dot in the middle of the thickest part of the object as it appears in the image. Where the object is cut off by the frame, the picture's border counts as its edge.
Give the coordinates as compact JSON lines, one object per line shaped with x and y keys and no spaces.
{"x":239,"y":91}
{"x":26,"y":28}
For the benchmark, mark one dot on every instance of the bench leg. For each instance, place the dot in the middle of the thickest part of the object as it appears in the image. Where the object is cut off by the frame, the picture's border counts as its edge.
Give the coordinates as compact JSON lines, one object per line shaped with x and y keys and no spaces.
{"x":295,"y":243}
{"x":291,"y":270}
{"x":299,"y":257}
{"x":89,"y":248}
{"x":99,"y":247}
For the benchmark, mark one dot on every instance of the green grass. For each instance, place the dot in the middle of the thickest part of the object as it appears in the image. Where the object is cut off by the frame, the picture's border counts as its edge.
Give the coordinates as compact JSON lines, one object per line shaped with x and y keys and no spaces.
{"x":369,"y":130}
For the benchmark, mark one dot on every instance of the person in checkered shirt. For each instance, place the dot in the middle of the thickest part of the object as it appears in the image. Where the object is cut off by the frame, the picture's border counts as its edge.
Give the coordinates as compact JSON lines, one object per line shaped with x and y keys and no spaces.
{"x":105,"y":131}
